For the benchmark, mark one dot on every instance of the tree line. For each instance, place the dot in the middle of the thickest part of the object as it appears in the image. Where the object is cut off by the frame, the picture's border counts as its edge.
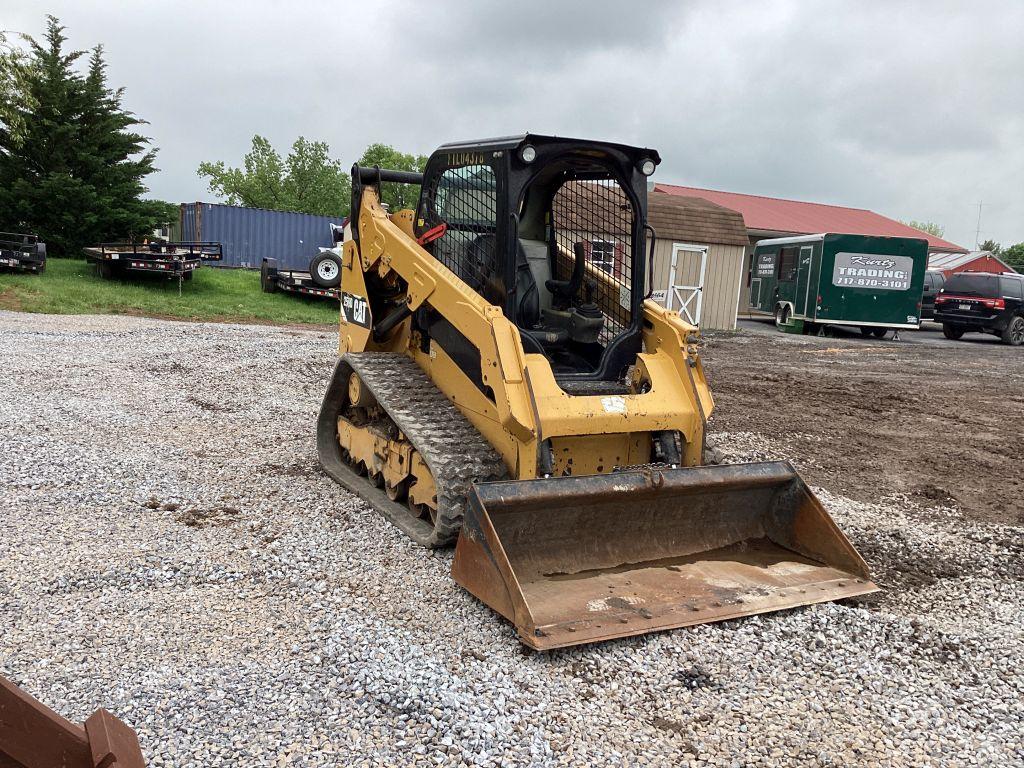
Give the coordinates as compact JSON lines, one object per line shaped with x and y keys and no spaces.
{"x":73,"y":159}
{"x":1011,"y":254}
{"x":308,"y":180}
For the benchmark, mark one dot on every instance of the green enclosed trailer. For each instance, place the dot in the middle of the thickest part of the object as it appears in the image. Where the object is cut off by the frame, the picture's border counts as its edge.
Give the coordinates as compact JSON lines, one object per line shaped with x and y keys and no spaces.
{"x":874,"y":283}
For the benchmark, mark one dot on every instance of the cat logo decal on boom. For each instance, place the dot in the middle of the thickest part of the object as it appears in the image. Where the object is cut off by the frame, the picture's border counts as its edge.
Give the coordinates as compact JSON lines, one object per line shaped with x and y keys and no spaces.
{"x":355,"y":310}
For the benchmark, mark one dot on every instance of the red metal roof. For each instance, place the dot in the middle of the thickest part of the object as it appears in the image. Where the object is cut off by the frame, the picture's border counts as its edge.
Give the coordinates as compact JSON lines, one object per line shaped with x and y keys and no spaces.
{"x":792,"y":216}
{"x":975,"y":261}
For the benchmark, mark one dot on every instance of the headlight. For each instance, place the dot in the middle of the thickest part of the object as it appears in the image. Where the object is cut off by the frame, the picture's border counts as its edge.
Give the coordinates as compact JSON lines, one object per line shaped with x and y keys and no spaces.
{"x":528,"y":153}
{"x":647,"y":167}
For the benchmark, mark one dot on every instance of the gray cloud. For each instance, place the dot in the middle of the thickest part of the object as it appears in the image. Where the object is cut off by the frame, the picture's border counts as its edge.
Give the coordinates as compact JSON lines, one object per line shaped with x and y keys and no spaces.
{"x":912,"y":109}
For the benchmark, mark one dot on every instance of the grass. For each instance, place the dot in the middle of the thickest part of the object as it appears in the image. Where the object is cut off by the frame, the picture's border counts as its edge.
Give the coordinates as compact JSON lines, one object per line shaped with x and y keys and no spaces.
{"x":72,"y":287}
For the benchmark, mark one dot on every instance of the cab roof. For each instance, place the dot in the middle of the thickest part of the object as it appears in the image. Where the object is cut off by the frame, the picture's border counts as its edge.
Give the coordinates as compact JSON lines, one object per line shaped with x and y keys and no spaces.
{"x":513,"y":142}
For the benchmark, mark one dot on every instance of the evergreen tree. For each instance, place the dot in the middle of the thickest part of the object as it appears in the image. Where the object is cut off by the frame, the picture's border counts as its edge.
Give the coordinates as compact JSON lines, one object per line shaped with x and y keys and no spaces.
{"x":71,"y":167}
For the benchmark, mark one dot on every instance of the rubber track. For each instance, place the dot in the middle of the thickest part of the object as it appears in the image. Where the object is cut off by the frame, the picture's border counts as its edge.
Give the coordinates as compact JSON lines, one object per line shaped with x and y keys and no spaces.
{"x":456,"y":453}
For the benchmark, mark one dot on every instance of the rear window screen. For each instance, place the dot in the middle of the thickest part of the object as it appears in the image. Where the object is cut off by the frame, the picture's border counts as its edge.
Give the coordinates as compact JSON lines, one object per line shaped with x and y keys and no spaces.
{"x":1013,"y":287}
{"x":973,"y":285}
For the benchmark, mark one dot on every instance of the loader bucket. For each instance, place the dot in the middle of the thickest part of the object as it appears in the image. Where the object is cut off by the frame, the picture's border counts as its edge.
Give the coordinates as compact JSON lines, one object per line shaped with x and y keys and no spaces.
{"x":573,"y":560}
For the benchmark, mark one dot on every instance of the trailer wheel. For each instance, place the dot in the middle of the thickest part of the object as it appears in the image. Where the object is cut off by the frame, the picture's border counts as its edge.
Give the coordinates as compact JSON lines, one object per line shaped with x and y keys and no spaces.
{"x":105,"y":269}
{"x":879,"y":333}
{"x":325,"y":269}
{"x":1014,"y":332}
{"x":866,"y":330}
{"x":951,"y":331}
{"x":782,"y":315}
{"x":267,"y":283}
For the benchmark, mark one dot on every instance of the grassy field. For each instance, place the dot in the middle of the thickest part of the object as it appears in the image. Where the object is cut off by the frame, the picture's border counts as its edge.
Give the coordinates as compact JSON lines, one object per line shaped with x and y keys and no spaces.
{"x":71,"y":287}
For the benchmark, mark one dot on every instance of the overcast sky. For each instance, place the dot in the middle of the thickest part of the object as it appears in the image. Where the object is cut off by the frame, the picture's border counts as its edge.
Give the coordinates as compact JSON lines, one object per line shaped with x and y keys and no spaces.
{"x":914,"y":110}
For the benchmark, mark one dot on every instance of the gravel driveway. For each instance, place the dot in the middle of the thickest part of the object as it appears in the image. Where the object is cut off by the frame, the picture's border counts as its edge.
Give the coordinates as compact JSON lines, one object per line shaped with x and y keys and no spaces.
{"x":171,"y":551}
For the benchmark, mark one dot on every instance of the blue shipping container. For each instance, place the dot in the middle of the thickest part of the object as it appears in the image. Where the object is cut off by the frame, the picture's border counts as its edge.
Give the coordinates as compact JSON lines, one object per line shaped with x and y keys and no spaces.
{"x":249,"y":234}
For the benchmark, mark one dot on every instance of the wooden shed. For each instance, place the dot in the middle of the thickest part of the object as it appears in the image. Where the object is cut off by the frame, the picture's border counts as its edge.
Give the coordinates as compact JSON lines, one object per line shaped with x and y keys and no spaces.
{"x":699,"y":258}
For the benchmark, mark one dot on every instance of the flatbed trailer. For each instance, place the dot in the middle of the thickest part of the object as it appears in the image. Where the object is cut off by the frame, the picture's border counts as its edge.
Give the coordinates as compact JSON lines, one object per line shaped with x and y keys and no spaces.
{"x":273,"y":279}
{"x":172,"y":259}
{"x":22,"y":252}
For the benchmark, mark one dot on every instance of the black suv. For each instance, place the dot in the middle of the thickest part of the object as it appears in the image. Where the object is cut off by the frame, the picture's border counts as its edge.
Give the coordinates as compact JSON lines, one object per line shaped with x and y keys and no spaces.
{"x":984,"y":302}
{"x":934,"y":281}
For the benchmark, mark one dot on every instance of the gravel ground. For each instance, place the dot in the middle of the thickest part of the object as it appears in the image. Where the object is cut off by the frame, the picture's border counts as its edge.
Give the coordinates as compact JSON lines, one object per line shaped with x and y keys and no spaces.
{"x":170,"y":551}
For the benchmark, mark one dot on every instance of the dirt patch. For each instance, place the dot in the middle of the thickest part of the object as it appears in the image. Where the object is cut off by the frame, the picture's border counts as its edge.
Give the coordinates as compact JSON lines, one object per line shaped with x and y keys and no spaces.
{"x":941,"y":425}
{"x":167,"y":506}
{"x":696,"y":677}
{"x":293,"y":470}
{"x":206,"y":518}
{"x":11,"y":300}
{"x":169,"y":367}
{"x":206,"y":405}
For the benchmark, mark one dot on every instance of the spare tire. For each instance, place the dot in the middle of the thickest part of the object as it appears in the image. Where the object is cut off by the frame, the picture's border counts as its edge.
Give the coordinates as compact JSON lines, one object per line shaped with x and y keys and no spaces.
{"x":325,"y":269}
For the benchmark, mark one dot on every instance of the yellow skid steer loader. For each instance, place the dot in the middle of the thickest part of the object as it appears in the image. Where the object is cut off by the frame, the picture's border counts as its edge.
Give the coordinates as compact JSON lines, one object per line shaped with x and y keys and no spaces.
{"x":506,"y":383}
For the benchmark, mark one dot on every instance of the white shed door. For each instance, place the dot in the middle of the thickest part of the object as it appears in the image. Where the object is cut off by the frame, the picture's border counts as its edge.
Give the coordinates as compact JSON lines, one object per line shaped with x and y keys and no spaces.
{"x":686,"y":280}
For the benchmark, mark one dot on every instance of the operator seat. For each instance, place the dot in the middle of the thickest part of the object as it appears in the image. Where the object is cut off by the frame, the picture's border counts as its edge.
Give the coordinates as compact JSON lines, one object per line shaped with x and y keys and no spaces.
{"x":482,"y":262}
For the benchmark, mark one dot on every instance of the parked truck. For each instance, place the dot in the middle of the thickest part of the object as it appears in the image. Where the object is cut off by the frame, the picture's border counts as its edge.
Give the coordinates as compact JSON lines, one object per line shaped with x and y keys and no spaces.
{"x":22,"y":252}
{"x":871,"y":283}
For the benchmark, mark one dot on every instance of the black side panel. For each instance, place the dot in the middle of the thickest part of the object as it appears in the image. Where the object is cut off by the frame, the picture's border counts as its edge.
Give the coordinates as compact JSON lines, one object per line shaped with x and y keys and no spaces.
{"x":456,"y":346}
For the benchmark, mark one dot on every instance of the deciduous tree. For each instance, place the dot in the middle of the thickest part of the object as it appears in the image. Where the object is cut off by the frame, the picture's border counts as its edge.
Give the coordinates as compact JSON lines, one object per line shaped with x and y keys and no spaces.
{"x":307,"y":181}
{"x":928,"y":227}
{"x":397,"y":196}
{"x":991,"y":246}
{"x":1014,"y":256}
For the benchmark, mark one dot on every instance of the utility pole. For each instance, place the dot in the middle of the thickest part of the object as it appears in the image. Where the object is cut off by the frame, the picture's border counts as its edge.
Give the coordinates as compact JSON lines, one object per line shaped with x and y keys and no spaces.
{"x":977,"y":232}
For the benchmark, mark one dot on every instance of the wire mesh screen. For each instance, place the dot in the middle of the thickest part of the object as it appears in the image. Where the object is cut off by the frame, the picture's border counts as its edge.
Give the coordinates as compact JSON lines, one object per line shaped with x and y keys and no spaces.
{"x":599,"y":216}
{"x":466,"y":199}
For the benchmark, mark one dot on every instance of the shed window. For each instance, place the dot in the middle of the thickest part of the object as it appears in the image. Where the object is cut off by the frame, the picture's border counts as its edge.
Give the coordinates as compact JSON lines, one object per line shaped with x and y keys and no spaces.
{"x":602,"y":255}
{"x":788,"y":261}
